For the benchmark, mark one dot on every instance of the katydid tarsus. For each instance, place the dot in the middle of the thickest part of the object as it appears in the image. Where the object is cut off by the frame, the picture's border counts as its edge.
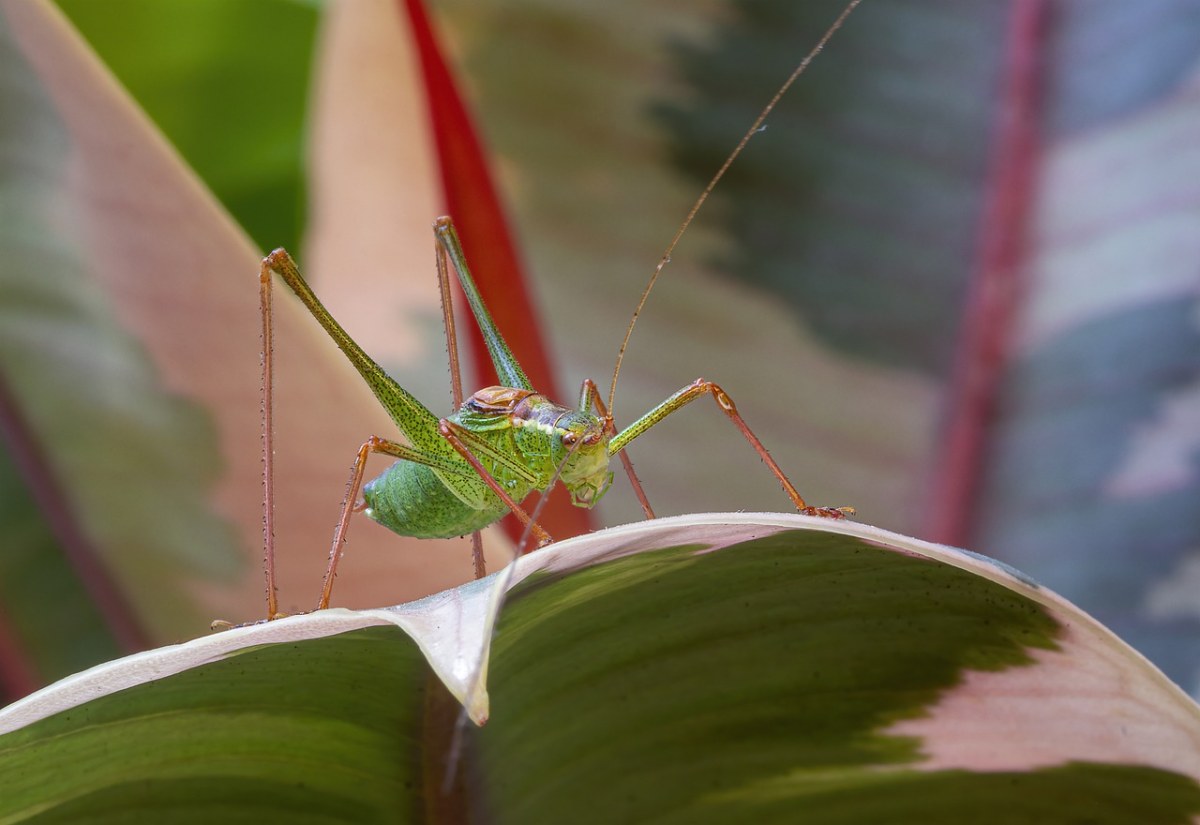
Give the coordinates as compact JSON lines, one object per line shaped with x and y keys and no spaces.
{"x":457,"y":474}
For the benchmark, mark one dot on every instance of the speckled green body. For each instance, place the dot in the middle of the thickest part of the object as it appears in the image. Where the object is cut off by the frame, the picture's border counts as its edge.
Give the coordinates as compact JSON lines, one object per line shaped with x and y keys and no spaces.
{"x":506,"y":438}
{"x":415,"y":500}
{"x":461,"y":473}
{"x":411,"y":500}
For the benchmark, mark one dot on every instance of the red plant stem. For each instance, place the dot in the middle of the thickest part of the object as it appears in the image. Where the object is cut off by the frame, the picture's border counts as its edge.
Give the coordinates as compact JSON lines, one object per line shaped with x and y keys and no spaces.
{"x":995,"y":290}
{"x":18,"y":677}
{"x":474,"y":204}
{"x":81,"y":554}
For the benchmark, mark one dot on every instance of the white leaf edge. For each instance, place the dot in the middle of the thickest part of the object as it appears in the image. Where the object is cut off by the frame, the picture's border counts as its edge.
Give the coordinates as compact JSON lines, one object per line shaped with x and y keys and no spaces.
{"x":453,"y":628}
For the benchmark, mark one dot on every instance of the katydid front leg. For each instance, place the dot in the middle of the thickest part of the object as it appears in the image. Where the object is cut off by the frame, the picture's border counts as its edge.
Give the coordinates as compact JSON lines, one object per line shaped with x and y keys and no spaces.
{"x":589,"y":398}
{"x":689,"y":394}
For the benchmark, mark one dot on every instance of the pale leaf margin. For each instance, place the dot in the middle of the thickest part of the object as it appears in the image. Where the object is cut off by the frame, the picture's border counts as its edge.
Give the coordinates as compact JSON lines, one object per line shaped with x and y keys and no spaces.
{"x":453,"y":629}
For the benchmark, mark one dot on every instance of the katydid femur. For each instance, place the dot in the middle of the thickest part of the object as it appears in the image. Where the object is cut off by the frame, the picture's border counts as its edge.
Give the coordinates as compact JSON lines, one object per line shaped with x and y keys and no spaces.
{"x":459,"y":474}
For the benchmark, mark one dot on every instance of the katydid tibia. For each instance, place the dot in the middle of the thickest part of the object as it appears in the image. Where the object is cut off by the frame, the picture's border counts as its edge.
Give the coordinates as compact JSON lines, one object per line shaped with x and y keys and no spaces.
{"x":460,"y":473}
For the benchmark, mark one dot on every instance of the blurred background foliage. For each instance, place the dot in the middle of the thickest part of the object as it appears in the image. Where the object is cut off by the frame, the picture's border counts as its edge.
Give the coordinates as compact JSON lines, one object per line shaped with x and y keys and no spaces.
{"x":827,"y":284}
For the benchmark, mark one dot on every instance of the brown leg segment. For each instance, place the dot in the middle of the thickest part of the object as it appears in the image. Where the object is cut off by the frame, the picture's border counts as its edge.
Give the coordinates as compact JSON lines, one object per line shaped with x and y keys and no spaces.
{"x":477,"y":555}
{"x":268,"y":438}
{"x":374,"y":444}
{"x":454,"y":434}
{"x":456,"y":390}
{"x":590,"y":396}
{"x":689,"y":394}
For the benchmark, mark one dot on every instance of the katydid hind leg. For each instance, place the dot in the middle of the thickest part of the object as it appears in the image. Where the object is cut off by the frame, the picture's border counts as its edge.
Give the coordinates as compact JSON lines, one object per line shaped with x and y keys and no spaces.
{"x":268,"y":438}
{"x":446,"y":244}
{"x":477,"y":561}
{"x":417,"y":423}
{"x":478,"y":564}
{"x":690,"y":393}
{"x":448,"y":325}
{"x":507,"y":367}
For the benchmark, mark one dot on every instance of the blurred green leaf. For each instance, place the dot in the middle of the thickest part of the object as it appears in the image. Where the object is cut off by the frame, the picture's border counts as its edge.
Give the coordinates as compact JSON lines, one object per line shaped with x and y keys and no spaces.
{"x":227,"y":82}
{"x":131,"y":349}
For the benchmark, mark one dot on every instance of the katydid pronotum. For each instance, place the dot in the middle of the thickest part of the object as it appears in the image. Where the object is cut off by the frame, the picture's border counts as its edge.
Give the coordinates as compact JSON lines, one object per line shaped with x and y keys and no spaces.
{"x":462,"y":472}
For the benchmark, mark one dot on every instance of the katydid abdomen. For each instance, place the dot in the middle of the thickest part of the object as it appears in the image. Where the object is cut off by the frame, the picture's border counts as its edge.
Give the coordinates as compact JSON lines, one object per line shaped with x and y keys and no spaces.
{"x":411,"y":500}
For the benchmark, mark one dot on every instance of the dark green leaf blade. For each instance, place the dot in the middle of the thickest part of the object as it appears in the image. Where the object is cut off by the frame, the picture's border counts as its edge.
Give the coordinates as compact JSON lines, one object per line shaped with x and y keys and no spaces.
{"x":714,"y":668}
{"x":848,"y":236}
{"x":321,"y":732}
{"x":767,"y":678}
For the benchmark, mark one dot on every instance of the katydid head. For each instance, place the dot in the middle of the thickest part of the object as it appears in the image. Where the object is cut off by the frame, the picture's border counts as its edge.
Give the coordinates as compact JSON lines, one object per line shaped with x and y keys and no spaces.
{"x":585,"y":471}
{"x":575,"y":442}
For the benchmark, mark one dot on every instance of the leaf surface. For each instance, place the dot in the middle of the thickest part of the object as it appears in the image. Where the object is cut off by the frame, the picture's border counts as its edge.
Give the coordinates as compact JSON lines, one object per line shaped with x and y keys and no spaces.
{"x":716,"y":668}
{"x":830,"y":284}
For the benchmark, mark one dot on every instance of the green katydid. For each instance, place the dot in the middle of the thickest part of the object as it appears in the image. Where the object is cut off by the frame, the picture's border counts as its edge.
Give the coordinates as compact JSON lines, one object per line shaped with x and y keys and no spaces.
{"x":459,"y":473}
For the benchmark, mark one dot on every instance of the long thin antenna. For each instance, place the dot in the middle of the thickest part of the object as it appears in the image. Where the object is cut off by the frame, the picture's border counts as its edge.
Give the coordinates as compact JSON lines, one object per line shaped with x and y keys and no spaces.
{"x":754,"y":128}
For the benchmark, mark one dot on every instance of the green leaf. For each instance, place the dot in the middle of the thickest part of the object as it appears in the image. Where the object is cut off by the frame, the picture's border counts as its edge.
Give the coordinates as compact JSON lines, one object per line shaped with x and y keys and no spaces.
{"x":227,"y":82}
{"x":33,"y":574}
{"x":716,"y":668}
{"x":868,"y":185}
{"x":826,"y":284}
{"x":293,"y":740}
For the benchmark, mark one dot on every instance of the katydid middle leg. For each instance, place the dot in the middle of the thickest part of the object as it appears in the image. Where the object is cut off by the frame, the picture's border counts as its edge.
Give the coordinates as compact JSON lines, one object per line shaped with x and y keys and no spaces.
{"x":462,"y":440}
{"x":374,"y":444}
{"x":690,"y":393}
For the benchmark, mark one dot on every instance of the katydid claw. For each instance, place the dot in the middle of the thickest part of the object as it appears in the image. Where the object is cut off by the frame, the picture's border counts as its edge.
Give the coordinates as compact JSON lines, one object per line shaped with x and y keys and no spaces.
{"x":828,"y":512}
